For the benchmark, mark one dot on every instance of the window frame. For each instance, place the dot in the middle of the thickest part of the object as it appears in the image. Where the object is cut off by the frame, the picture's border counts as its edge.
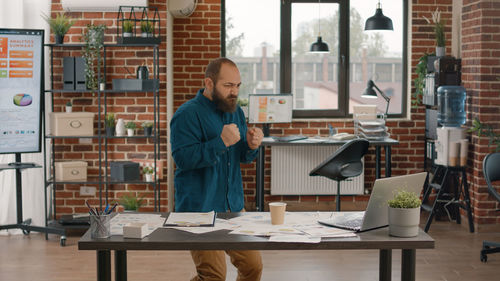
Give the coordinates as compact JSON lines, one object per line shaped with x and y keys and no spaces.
{"x":344,"y":68}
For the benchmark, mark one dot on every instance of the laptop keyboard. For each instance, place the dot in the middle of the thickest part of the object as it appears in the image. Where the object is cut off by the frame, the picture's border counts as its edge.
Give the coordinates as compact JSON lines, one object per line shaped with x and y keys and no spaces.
{"x":354,"y":223}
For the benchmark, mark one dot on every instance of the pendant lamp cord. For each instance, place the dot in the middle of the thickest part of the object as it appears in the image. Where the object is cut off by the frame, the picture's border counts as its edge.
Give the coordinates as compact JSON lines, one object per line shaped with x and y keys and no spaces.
{"x":319,"y":17}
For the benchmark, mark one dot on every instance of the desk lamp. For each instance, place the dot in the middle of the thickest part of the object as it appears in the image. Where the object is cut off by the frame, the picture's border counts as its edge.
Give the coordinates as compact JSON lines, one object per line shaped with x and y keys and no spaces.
{"x":371,"y":94}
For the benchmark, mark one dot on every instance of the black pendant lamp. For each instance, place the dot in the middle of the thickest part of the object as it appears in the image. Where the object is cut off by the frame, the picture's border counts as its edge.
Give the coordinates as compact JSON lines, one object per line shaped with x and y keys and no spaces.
{"x":319,"y":46}
{"x":378,"y":21}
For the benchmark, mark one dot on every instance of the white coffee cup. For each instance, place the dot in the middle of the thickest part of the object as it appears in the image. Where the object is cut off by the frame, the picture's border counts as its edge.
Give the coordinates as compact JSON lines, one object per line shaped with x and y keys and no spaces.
{"x":277,"y":210}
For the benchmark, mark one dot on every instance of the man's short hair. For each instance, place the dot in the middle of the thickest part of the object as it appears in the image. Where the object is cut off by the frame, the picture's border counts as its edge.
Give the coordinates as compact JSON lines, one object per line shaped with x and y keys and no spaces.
{"x":213,"y":68}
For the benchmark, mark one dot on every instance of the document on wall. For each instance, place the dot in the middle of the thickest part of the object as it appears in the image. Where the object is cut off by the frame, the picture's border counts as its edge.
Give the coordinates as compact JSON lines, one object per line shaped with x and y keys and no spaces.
{"x":190,"y":219}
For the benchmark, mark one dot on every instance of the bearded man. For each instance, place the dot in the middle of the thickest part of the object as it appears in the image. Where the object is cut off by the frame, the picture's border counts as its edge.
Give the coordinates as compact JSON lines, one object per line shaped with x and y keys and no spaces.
{"x":209,"y":139}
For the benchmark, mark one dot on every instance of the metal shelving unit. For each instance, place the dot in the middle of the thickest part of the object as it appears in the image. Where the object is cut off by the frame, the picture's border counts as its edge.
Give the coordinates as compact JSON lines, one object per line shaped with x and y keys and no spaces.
{"x":102,"y":180}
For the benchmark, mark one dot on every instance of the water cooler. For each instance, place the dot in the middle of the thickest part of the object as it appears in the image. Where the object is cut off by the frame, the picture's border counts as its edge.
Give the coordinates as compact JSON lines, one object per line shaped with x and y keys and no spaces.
{"x":451,"y":114}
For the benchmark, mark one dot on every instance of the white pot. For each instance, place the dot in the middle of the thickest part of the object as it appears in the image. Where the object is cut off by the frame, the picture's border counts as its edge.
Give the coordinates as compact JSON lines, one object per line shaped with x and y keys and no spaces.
{"x":127,"y":34}
{"x":149,"y":177}
{"x":130,"y":132}
{"x":404,"y":222}
{"x":120,"y":127}
{"x":440,"y":51}
{"x":69,"y":109}
{"x":146,"y":34}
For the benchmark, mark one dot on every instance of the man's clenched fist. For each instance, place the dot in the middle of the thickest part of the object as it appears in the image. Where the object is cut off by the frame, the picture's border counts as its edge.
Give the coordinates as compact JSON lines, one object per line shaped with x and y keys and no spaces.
{"x":230,"y":134}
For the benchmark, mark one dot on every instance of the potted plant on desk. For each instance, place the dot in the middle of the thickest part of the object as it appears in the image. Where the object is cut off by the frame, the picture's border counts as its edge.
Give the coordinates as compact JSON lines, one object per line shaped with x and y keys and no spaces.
{"x":404,"y":214}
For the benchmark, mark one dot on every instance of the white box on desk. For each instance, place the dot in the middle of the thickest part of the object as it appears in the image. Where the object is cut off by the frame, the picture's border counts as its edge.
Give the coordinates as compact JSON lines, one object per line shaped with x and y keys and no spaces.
{"x":135,"y":230}
{"x":71,"y":170}
{"x":72,"y":124}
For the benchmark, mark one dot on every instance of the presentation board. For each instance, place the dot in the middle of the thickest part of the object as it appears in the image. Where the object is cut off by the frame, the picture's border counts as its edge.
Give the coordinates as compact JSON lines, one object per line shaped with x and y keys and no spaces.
{"x":21,"y":90}
{"x":270,"y":108}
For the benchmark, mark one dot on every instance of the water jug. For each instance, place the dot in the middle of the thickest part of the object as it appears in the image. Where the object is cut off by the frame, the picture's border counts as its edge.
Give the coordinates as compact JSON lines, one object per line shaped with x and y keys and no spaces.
{"x":451,"y":106}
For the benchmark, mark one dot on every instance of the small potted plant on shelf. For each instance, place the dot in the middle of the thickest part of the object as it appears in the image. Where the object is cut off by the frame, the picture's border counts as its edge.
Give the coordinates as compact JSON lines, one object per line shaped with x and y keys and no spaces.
{"x":69,"y":107}
{"x":148,"y":172}
{"x":128,"y":28}
{"x":110,"y":124}
{"x":146,"y":28}
{"x":148,"y":128}
{"x":439,"y":25}
{"x":404,"y":214}
{"x":131,"y":202}
{"x":59,"y":25}
{"x":130,"y":128}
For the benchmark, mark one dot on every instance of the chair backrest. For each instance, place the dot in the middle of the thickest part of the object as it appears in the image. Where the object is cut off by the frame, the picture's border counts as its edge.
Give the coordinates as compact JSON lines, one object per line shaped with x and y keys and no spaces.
{"x":491,"y":169}
{"x":343,"y":163}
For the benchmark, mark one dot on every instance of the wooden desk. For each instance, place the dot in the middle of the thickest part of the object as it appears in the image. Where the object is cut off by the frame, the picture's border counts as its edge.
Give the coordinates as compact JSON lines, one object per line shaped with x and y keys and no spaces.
{"x":171,"y":239}
{"x":259,"y":186}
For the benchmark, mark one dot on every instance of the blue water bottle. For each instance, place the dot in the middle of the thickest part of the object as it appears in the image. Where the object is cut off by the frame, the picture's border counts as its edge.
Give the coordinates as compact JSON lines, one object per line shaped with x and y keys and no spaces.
{"x":451,"y":106}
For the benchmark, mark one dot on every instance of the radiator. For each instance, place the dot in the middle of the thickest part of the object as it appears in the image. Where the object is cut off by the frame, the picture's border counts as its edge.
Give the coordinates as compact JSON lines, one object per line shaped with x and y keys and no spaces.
{"x":290,"y":167}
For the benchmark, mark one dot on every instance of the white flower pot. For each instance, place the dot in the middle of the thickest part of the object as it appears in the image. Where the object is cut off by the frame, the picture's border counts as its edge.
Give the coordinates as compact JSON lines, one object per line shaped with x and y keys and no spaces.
{"x":130,"y":132}
{"x":404,"y":222}
{"x":127,"y":34}
{"x":440,"y":51}
{"x":69,"y":109}
{"x":149,"y":177}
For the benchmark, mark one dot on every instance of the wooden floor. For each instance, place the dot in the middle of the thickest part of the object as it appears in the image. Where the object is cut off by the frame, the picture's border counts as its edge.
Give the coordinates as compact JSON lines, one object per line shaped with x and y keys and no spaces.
{"x":456,"y":257}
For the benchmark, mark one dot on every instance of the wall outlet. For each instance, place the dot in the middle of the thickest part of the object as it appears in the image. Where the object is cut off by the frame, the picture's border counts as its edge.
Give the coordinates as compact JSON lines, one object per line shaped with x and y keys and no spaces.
{"x":87,"y":191}
{"x":85,"y":140}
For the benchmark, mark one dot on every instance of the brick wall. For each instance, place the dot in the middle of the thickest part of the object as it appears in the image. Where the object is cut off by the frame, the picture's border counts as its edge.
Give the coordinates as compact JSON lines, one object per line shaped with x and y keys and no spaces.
{"x":136,"y":107}
{"x":480,"y":71}
{"x":196,"y":40}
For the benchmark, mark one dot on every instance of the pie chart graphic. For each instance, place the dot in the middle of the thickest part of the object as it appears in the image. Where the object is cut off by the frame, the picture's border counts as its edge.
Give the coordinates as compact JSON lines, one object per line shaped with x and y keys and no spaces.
{"x":22,"y":99}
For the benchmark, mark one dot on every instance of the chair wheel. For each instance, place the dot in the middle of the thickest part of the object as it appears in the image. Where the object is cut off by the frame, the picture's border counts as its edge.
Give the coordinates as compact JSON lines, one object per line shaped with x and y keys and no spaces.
{"x":484,"y":257}
{"x":62,"y":242}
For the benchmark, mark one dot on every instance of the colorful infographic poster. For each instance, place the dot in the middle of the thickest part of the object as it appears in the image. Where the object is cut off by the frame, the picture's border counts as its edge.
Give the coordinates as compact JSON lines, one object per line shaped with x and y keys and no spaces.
{"x":20,"y":90}
{"x":274,"y":108}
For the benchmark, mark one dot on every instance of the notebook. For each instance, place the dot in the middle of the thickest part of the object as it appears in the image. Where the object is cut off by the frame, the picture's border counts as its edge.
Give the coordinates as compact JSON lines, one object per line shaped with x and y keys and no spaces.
{"x":376,"y":213}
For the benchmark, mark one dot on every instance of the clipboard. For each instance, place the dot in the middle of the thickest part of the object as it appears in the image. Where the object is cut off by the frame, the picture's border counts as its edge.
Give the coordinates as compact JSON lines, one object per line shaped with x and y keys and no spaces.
{"x":190,"y":219}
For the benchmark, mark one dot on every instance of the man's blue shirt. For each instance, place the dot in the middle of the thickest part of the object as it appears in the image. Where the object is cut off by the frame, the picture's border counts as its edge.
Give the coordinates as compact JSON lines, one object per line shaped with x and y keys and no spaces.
{"x":208,"y":175}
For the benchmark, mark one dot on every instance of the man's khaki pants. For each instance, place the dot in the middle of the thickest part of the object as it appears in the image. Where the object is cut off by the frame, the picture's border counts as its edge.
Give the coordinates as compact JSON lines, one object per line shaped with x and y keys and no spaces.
{"x":211,"y":265}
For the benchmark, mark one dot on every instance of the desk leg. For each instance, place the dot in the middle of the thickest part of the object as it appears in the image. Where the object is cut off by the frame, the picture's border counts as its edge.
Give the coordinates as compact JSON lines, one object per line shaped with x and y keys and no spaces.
{"x":377,"y":162}
{"x":388,"y":164}
{"x":103,"y":265}
{"x":408,"y":257}
{"x":120,"y":265}
{"x":385,"y":265}
{"x":259,"y":187}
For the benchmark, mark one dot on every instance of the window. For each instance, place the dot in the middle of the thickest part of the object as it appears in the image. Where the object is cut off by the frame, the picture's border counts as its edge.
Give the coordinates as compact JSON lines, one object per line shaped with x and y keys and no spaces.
{"x":271,"y":50}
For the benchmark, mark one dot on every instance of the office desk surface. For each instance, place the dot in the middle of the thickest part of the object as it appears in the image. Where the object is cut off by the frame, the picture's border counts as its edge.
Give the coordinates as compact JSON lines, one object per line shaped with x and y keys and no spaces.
{"x":172,"y":239}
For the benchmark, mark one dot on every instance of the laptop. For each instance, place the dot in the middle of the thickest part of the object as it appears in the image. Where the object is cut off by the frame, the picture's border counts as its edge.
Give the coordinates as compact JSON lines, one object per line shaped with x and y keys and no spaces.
{"x":376,"y":214}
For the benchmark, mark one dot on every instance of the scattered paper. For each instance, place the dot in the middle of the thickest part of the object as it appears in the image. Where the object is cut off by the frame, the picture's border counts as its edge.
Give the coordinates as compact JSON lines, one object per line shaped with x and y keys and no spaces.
{"x":294,"y":238}
{"x":189,"y":219}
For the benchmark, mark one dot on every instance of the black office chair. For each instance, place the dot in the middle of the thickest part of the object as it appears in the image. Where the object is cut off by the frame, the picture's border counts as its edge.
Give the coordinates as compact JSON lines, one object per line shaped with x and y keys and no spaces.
{"x":343,"y":163}
{"x":491,"y":169}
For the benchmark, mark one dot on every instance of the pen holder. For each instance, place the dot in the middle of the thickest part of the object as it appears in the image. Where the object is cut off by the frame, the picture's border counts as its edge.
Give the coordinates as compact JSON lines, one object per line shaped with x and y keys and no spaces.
{"x":100,"y":226}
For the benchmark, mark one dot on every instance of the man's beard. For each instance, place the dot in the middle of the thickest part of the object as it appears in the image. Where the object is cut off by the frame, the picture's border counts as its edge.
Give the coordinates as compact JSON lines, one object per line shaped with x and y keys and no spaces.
{"x":224,"y":104}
